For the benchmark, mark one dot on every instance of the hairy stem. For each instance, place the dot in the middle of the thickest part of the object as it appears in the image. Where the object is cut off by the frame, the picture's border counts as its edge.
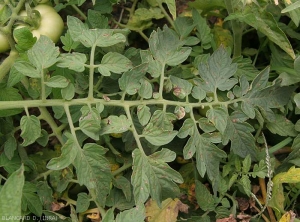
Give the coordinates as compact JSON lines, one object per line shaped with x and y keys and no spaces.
{"x":45,"y":115}
{"x":91,"y":74}
{"x":133,"y":130}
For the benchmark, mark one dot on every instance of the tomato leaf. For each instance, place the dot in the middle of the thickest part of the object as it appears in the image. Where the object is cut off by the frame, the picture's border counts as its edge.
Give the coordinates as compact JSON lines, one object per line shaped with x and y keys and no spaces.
{"x":31,"y":200}
{"x":265,"y":23}
{"x":43,"y":54}
{"x":242,"y":141}
{"x":11,"y":195}
{"x":57,"y":82}
{"x":90,"y":37}
{"x":144,"y":114}
{"x":217,"y":72}
{"x":74,"y":61}
{"x":114,"y":62}
{"x":208,"y":155}
{"x":204,"y":198}
{"x":282,"y":126}
{"x":130,"y":80}
{"x":69,"y":153}
{"x":115,"y":124}
{"x":31,"y":129}
{"x":152,"y":176}
{"x":166,"y":47}
{"x":90,"y":122}
{"x":93,"y":171}
{"x":83,"y":202}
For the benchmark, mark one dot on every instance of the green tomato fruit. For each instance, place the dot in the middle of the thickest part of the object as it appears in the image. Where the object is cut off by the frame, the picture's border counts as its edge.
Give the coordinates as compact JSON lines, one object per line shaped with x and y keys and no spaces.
{"x":4,"y":44}
{"x":51,"y":24}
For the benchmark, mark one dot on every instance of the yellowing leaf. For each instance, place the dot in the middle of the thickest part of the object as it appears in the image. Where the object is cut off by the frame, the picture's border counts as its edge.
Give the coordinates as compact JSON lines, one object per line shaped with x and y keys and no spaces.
{"x":168,"y":211}
{"x":291,"y":176}
{"x":288,"y":217}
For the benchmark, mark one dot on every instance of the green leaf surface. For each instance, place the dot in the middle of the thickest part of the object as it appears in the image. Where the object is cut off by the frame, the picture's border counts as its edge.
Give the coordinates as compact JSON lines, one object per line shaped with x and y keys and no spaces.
{"x":136,"y":214}
{"x":90,"y":122}
{"x":166,"y":47}
{"x":31,"y":129}
{"x":24,"y":38}
{"x":90,"y":37}
{"x":151,"y":175}
{"x":43,"y":54}
{"x":114,"y":62}
{"x":208,"y":155}
{"x":242,"y":141}
{"x":11,"y":195}
{"x":74,"y":61}
{"x":145,"y":90}
{"x":159,"y":130}
{"x":115,"y":124}
{"x":57,"y":82}
{"x":31,"y":200}
{"x":82,"y":203}
{"x":130,"y":80}
{"x":93,"y":171}
{"x":125,"y":185}
{"x":69,"y":153}
{"x":265,"y":23}
{"x":218,"y":117}
{"x":282,"y":126}
{"x":144,"y":114}
{"x":217,"y":72}
{"x":9,"y":94}
{"x":10,"y":146}
{"x":204,"y":198}
{"x":27,"y":69}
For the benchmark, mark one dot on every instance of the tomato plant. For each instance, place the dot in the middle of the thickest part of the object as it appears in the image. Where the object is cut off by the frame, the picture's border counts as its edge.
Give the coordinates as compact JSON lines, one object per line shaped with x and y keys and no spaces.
{"x":102,"y":123}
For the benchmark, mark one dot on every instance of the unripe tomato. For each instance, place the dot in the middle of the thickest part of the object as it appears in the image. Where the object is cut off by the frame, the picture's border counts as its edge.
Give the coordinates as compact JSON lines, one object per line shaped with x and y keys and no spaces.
{"x":51,"y":24}
{"x":4,"y":45}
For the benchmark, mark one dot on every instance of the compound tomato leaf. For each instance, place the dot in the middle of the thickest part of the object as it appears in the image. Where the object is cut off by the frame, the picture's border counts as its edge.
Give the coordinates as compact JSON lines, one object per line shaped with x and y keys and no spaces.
{"x":69,"y":153}
{"x":115,"y":124}
{"x":114,"y":62}
{"x":30,"y":199}
{"x":43,"y":54}
{"x":93,"y":171}
{"x":151,"y":175}
{"x":130,"y":80}
{"x":74,"y":61}
{"x":31,"y":129}
{"x":166,"y":47}
{"x":11,"y":196}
